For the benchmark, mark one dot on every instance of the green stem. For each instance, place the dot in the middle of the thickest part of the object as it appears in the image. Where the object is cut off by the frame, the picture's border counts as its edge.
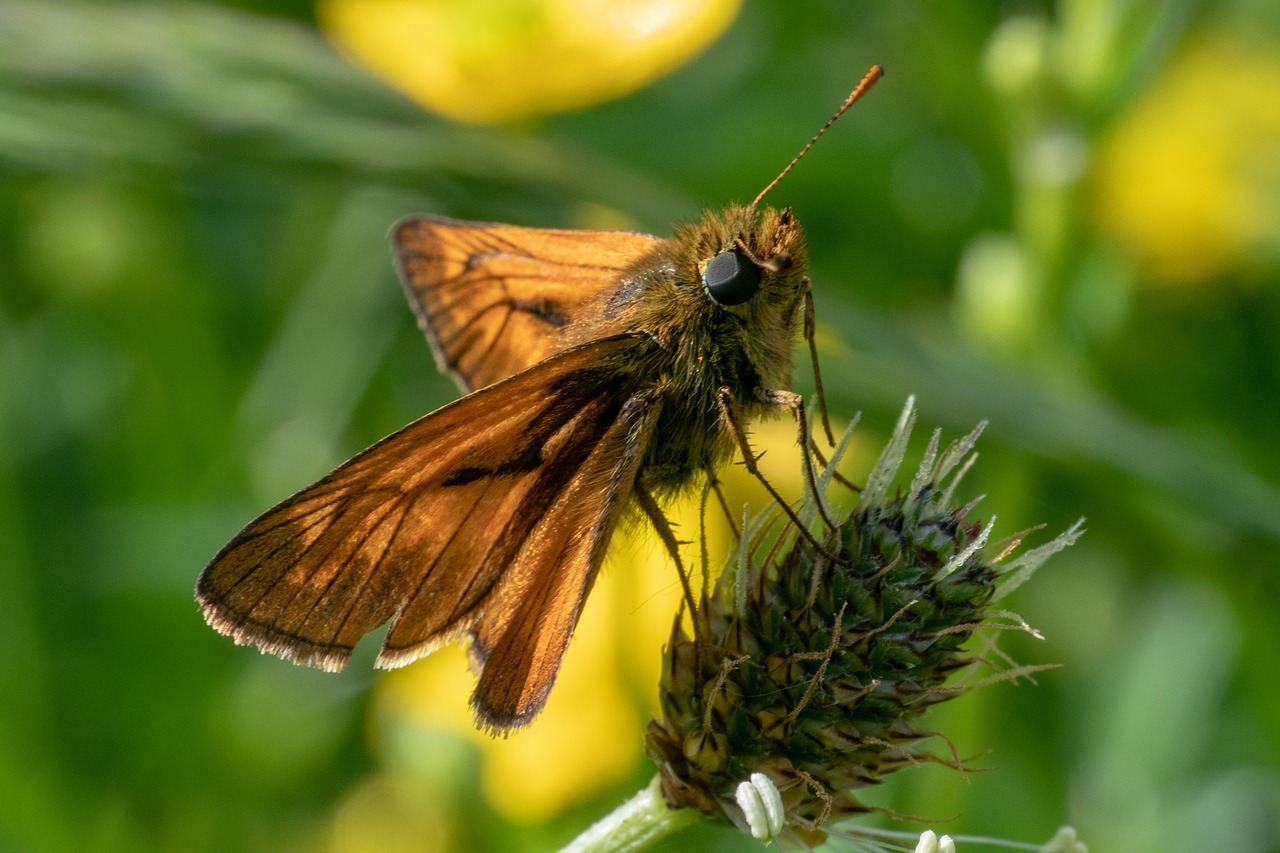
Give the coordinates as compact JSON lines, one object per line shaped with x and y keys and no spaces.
{"x":634,"y":825}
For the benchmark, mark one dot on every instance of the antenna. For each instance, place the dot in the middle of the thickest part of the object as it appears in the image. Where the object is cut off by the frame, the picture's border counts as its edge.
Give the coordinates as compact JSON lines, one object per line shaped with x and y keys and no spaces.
{"x":868,"y":80}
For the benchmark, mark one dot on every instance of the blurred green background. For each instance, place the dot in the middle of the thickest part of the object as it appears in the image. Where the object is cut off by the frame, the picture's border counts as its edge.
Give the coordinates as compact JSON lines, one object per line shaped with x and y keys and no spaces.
{"x":1061,"y":217}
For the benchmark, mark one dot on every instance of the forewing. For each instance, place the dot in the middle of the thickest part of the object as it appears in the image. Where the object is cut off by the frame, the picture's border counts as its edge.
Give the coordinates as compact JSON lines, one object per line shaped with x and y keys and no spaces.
{"x":495,"y":299}
{"x":422,"y":527}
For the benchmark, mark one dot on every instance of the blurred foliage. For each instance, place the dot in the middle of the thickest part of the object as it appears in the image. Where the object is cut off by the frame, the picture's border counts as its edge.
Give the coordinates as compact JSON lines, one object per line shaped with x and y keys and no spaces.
{"x":198,"y":315}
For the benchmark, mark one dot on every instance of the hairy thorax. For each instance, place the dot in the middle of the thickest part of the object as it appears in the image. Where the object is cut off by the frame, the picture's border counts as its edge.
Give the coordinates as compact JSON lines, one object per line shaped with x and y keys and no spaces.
{"x":701,"y":346}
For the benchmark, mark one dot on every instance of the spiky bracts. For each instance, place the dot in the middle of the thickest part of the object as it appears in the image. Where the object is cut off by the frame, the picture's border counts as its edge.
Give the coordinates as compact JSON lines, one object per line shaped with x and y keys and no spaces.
{"x":814,"y":671}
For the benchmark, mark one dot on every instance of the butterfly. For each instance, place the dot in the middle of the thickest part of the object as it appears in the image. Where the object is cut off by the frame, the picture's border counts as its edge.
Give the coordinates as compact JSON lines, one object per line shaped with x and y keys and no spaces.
{"x":605,"y":371}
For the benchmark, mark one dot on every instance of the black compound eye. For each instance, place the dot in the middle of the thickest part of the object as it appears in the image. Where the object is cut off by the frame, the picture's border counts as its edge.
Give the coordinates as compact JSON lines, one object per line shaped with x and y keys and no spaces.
{"x":731,"y":278}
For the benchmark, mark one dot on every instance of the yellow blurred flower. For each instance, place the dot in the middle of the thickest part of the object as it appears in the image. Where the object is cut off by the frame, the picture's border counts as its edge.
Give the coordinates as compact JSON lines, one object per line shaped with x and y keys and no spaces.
{"x":590,"y":733}
{"x":490,"y":61}
{"x":1190,"y":177}
{"x":383,"y":814}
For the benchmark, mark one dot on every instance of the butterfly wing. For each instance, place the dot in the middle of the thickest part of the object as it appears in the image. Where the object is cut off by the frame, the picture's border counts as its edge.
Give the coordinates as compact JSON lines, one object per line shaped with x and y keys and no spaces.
{"x":496,"y":299}
{"x":522,"y":633}
{"x":489,"y":516}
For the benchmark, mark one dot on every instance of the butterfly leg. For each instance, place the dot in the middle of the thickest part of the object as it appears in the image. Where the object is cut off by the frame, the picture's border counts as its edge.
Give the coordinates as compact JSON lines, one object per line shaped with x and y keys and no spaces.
{"x":810,"y":330}
{"x":713,"y":485}
{"x":668,"y":537}
{"x":728,"y":406}
{"x":804,"y":439}
{"x":835,"y":475}
{"x":810,"y":327}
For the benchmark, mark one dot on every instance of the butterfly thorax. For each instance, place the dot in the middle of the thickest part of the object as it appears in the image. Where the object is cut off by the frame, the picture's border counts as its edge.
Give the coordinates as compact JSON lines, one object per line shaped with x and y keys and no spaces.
{"x":702,"y":345}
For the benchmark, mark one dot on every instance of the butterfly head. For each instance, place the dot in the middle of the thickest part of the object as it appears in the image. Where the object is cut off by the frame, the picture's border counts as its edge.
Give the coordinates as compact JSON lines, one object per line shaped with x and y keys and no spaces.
{"x":738,"y":272}
{"x":744,"y":258}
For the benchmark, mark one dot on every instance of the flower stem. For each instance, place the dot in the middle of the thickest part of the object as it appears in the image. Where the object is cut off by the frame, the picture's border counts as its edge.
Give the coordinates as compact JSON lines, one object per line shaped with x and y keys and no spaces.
{"x":634,"y":825}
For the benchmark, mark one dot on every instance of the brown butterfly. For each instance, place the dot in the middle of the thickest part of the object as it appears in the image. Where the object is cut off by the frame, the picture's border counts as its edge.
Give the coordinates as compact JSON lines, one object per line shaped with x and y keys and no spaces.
{"x":606,"y":369}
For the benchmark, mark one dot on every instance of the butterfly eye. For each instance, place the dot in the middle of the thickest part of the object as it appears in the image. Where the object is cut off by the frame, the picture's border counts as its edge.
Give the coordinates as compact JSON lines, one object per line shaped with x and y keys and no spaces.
{"x":730,"y":278}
